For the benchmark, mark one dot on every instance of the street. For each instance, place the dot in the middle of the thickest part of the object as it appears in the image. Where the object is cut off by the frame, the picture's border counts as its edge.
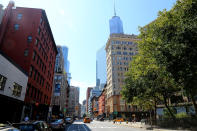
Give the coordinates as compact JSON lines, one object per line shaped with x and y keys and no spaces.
{"x":99,"y":126}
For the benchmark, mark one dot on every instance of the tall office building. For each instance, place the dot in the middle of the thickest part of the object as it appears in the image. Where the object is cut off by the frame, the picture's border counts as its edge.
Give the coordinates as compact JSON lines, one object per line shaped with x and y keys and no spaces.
{"x":83,"y":108}
{"x":65,"y":55}
{"x":119,"y":51}
{"x":87,"y":97}
{"x":59,"y":100}
{"x":27,"y":39}
{"x":1,"y":12}
{"x":73,"y":106}
{"x":115,"y":24}
{"x":66,"y":62}
{"x":101,"y":71}
{"x":120,"y":48}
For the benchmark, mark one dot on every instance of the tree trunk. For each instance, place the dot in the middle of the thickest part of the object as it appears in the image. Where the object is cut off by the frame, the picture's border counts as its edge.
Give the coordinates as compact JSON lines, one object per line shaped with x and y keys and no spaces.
{"x":155,"y":112}
{"x":166,"y":105}
{"x":194,"y":104}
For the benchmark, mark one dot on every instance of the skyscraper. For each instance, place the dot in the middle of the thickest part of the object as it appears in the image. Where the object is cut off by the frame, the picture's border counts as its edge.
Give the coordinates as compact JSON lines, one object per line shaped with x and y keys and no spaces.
{"x":73,"y":106}
{"x":101,"y":72}
{"x":87,"y":97}
{"x":115,"y":24}
{"x":120,"y":48}
{"x":60,"y":86}
{"x":119,"y":51}
{"x":65,"y":55}
{"x":66,"y":62}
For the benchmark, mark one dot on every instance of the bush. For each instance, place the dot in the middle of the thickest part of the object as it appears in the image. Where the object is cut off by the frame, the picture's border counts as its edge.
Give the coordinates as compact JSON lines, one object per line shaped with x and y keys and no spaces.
{"x":182,"y":115}
{"x":166,"y":113}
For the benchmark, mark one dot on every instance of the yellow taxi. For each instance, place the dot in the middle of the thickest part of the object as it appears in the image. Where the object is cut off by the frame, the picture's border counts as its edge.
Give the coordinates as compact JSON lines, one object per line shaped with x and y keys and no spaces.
{"x":86,"y":120}
{"x":119,"y":120}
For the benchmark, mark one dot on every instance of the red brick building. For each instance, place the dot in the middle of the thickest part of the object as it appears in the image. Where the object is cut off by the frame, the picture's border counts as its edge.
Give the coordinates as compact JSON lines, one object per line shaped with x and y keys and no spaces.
{"x":95,"y":106}
{"x":101,"y":101}
{"x":26,"y":37}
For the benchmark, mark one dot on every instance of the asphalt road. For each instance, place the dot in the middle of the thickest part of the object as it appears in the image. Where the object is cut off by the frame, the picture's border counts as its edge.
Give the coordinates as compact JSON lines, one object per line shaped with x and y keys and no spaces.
{"x":99,"y":126}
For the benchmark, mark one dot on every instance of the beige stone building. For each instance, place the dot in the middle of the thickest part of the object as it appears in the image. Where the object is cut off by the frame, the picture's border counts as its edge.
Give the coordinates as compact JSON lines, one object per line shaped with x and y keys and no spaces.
{"x":119,"y":51}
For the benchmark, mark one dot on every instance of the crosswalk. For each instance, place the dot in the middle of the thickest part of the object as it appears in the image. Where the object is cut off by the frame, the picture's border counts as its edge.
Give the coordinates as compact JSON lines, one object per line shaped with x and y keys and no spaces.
{"x":104,"y":126}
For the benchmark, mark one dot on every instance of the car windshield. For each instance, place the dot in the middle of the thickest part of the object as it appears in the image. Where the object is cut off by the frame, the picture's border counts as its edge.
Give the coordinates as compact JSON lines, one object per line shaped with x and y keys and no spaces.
{"x":68,"y":119}
{"x":58,"y":121}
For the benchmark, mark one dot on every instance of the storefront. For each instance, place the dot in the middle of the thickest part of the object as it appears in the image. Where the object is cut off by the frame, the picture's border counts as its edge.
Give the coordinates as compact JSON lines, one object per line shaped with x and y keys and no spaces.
{"x":10,"y":109}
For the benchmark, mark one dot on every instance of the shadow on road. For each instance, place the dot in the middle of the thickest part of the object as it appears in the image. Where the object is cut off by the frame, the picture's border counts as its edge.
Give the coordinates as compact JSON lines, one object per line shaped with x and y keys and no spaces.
{"x":77,"y":127}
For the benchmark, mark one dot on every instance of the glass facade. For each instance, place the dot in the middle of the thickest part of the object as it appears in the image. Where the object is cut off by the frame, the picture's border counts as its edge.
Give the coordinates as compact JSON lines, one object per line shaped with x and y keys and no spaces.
{"x":66,"y":62}
{"x":116,"y":26}
{"x":101,"y":72}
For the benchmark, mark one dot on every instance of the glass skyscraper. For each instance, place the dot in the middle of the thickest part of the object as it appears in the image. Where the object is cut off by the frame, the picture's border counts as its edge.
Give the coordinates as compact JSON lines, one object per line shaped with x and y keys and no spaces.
{"x":66,"y":62}
{"x":101,"y":73}
{"x":116,"y":26}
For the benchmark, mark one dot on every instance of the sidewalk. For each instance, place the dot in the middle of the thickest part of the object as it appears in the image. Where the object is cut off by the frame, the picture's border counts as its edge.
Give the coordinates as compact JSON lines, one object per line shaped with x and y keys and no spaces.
{"x":142,"y":125}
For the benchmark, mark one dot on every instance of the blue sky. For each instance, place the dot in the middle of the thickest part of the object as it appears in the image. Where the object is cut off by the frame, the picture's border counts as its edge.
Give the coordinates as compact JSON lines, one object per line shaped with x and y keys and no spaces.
{"x":83,"y":26}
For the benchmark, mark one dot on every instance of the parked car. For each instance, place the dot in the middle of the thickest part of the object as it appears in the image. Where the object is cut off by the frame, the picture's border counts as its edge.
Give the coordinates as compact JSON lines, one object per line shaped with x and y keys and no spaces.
{"x":32,"y":126}
{"x":86,"y":120}
{"x":101,"y":119}
{"x":68,"y":120}
{"x":5,"y":127}
{"x":57,"y":124}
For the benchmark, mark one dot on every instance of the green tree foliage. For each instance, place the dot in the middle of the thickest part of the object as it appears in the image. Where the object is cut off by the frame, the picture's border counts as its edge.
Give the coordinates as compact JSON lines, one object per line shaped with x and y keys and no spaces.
{"x":172,"y":41}
{"x":167,"y":58}
{"x":147,"y":83}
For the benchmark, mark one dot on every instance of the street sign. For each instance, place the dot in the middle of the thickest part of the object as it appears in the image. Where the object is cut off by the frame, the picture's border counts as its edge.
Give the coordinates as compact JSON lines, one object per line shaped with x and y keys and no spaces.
{"x":115,"y":112}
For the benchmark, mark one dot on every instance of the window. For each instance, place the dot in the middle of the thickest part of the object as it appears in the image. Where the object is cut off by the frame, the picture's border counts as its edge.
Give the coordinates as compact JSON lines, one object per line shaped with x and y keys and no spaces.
{"x":118,"y":47}
{"x":36,"y":42}
{"x":124,"y":42}
{"x":16,"y":27}
{"x":112,"y":42}
{"x":131,"y":53}
{"x":118,"y":42}
{"x":40,"y":20}
{"x":38,"y":77}
{"x":34,"y":55}
{"x":124,"y":53}
{"x":39,"y":47}
{"x":29,"y":39}
{"x":2,"y":82}
{"x":19,"y":16}
{"x":35,"y":93}
{"x":26,"y":52}
{"x":31,"y":71}
{"x":17,"y":90}
{"x":35,"y":74}
{"x":130,"y":43}
{"x":38,"y":31}
{"x":118,"y":53}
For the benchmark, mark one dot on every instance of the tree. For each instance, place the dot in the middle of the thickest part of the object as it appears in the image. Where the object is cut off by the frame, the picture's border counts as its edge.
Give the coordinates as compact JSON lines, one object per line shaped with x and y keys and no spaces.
{"x":171,"y":40}
{"x":84,"y":115}
{"x":147,"y":84}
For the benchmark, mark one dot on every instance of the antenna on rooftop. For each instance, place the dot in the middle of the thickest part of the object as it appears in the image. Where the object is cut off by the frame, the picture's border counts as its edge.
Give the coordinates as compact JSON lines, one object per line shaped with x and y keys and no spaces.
{"x":114,"y":7}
